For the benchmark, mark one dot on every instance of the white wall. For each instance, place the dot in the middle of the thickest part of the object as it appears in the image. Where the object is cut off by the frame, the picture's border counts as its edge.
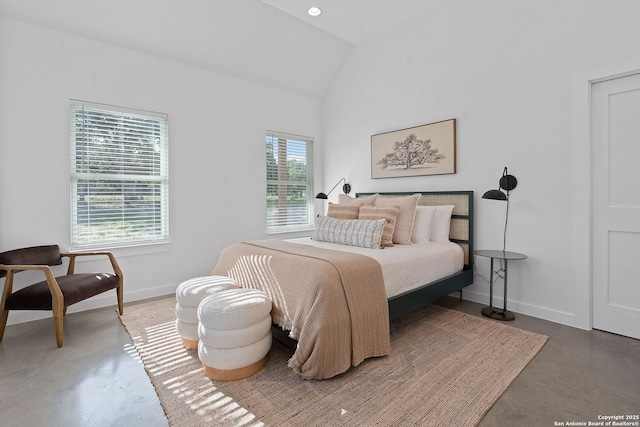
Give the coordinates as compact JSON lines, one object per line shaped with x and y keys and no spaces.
{"x":217,"y":127}
{"x":504,"y":69}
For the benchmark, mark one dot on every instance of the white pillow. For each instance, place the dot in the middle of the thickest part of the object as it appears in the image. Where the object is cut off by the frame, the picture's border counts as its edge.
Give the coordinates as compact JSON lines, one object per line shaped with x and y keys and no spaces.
{"x":422,"y":224}
{"x":355,"y":232}
{"x":441,"y":223}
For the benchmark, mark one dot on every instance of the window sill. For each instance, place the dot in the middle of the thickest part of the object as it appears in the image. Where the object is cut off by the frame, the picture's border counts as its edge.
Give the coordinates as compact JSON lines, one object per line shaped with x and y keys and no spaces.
{"x":285,"y":231}
{"x":126,"y":251}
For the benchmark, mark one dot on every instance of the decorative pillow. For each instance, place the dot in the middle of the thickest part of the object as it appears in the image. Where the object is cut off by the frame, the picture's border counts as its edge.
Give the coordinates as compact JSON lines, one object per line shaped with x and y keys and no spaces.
{"x":354,"y":232}
{"x":342,"y":211}
{"x":404,"y":221}
{"x":388,"y":213}
{"x":343,"y":199}
{"x":441,"y":224}
{"x":422,"y":224}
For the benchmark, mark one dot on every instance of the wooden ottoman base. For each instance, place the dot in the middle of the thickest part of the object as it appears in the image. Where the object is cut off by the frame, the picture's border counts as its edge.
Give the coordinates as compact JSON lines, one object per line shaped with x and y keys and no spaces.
{"x":234,"y":374}
{"x":190,"y":344}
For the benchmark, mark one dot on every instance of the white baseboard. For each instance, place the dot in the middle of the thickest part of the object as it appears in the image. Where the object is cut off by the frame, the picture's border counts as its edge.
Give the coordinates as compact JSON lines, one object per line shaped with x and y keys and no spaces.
{"x":107,"y":299}
{"x":556,"y":316}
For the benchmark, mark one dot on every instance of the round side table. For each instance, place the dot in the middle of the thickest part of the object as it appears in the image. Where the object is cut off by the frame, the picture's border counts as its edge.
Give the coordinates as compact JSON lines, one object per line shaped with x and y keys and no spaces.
{"x":491,"y":311}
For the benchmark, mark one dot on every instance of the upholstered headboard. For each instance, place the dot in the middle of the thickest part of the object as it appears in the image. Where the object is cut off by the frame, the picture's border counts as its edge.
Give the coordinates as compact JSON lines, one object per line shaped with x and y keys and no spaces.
{"x":461,"y":229}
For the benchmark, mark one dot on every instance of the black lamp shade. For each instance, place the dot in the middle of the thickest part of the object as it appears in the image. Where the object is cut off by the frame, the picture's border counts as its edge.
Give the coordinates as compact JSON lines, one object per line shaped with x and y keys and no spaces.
{"x":321,"y":196}
{"x":494,"y":195}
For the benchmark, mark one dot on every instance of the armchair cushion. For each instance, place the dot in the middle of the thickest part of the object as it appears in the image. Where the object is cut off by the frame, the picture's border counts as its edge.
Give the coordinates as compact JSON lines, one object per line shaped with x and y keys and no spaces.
{"x":36,"y":255}
{"x":74,"y":287}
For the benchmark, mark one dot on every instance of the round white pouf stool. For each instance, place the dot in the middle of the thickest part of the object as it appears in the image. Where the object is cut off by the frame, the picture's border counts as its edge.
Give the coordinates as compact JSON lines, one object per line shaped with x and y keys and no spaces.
{"x":188,"y":296}
{"x":235,"y":333}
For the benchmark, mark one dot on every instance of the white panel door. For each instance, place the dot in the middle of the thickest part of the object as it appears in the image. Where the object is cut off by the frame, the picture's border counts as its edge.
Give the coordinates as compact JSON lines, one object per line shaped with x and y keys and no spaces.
{"x":615,"y":140}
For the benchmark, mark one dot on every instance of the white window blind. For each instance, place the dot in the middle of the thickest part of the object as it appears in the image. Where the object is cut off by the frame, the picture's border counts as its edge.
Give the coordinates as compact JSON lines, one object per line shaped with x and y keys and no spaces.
{"x":119,"y":176}
{"x":290,"y":204}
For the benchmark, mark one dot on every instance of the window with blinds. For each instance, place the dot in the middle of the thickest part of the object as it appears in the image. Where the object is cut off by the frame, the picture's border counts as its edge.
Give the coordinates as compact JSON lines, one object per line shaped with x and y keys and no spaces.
{"x":289,"y":182}
{"x":119,"y":176}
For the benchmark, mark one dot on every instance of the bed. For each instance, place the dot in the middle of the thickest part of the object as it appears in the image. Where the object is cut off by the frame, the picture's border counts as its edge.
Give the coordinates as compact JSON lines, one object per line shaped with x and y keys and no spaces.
{"x":336,"y":299}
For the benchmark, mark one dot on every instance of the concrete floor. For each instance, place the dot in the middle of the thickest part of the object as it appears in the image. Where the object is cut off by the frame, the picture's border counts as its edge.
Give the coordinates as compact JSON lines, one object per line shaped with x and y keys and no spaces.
{"x":578,"y":376}
{"x":96,"y":378}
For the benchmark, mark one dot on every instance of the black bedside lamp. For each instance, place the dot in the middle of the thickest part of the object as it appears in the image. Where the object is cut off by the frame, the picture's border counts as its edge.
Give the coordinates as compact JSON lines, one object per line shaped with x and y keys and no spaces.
{"x":507,"y":182}
{"x":346,"y":188}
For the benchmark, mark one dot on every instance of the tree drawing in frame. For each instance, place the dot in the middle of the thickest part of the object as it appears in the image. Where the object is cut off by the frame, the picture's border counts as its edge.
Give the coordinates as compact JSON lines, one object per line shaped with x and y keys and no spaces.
{"x":412,"y":152}
{"x":422,"y":150}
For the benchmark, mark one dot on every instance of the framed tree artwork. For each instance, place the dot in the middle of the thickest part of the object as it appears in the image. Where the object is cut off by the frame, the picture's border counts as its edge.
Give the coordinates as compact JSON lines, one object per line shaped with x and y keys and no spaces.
{"x":422,"y":150}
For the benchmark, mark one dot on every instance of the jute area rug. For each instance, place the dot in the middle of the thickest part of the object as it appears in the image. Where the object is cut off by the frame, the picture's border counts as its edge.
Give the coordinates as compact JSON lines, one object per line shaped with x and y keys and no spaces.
{"x":446,"y":368}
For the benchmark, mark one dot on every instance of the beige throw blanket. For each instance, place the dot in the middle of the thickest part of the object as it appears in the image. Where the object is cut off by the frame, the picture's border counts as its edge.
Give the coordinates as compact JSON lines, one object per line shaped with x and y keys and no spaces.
{"x":333,"y":302}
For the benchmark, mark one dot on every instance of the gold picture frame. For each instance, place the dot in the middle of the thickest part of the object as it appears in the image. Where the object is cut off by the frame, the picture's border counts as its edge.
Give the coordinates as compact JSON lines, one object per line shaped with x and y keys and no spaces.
{"x":422,"y":150}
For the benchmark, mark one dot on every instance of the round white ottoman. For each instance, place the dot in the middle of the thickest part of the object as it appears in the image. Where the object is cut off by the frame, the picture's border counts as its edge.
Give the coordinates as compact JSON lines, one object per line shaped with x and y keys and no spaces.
{"x":188,"y":296}
{"x":235,"y":333}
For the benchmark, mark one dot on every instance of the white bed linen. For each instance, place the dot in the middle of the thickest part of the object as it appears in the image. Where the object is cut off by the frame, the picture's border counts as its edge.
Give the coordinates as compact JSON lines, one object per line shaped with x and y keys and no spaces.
{"x":405,"y":267}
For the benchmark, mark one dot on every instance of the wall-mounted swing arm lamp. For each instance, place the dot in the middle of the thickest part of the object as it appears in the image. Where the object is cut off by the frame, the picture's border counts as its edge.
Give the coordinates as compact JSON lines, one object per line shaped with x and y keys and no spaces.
{"x":346,"y":188}
{"x":507,"y":182}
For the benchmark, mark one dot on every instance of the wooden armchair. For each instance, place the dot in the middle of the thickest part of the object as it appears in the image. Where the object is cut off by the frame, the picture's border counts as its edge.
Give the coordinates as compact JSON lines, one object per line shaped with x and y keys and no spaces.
{"x":54,"y":293}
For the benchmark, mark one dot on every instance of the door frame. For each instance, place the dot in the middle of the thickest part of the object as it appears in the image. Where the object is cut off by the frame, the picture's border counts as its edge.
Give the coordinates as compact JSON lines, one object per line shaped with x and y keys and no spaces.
{"x":582,"y":224}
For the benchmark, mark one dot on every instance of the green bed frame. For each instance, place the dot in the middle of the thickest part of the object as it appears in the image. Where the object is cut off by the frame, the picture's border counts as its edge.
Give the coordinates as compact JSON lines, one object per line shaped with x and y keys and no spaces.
{"x":461,"y":232}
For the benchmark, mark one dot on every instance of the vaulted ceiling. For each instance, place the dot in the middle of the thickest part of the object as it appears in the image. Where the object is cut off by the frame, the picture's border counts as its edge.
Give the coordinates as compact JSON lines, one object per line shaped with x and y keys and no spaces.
{"x":271,"y":42}
{"x":355,"y":21}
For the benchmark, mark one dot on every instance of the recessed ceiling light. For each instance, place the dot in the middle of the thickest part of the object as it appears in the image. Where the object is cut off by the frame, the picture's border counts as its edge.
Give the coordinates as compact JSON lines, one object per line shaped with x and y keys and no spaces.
{"x":314,"y":11}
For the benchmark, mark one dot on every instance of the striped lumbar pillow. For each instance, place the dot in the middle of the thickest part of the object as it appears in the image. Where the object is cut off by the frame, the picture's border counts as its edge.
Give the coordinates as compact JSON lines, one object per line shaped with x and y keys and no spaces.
{"x":343,"y":211}
{"x":388,"y":213}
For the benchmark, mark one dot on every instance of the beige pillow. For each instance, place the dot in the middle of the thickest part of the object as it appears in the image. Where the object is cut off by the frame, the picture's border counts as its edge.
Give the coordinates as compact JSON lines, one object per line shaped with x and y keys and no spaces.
{"x":388,"y":213}
{"x":342,"y":211}
{"x":404,"y":221}
{"x":343,"y":199}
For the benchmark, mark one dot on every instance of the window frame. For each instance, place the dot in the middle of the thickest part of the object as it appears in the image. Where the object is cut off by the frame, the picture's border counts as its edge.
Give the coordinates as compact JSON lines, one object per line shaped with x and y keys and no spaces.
{"x":290,"y":226}
{"x":153,"y":174}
